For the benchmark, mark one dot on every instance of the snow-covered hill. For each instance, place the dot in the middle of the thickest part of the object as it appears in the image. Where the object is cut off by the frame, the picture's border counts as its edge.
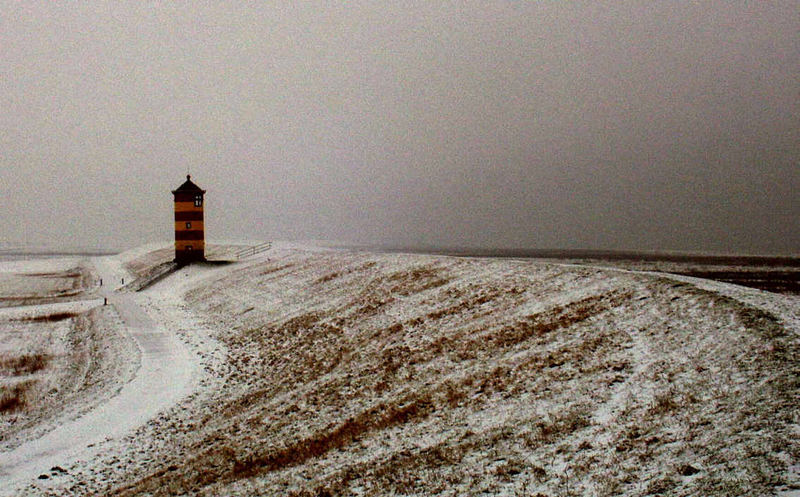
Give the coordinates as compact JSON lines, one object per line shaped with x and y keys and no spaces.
{"x":345,"y":373}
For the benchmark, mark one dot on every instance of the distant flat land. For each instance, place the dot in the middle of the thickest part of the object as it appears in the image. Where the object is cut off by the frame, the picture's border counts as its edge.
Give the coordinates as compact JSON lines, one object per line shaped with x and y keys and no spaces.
{"x":33,"y":254}
{"x":779,"y":274}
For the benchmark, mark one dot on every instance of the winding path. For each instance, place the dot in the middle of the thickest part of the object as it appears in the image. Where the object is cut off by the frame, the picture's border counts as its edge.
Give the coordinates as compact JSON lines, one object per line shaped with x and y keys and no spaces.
{"x":163,"y":378}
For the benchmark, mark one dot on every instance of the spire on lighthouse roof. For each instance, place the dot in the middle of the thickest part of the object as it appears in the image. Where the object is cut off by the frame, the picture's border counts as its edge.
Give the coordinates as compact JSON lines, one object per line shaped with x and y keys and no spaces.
{"x":188,"y":187}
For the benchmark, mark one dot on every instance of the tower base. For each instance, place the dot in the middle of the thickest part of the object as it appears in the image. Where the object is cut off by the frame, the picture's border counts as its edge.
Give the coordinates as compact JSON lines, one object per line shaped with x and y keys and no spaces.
{"x":189,"y":256}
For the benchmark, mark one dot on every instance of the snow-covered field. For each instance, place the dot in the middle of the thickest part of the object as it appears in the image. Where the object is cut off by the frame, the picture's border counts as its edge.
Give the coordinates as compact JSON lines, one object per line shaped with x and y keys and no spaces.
{"x":327,"y":372}
{"x":60,"y":353}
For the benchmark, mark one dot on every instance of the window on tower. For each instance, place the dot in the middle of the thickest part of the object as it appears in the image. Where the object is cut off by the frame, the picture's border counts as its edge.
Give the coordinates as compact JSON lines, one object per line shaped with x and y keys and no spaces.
{"x":188,"y":225}
{"x":198,"y":200}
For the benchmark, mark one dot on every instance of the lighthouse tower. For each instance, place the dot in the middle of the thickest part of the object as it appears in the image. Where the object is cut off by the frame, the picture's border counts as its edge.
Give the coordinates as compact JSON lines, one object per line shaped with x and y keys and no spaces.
{"x":190,"y":242}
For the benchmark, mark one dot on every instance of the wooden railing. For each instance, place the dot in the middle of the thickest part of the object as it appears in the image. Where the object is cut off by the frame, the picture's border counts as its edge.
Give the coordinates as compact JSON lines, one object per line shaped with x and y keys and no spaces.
{"x":251,"y":251}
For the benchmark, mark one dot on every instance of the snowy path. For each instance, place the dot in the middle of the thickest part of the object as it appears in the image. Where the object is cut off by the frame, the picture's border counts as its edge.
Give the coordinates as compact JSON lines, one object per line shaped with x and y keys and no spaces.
{"x":164,"y":377}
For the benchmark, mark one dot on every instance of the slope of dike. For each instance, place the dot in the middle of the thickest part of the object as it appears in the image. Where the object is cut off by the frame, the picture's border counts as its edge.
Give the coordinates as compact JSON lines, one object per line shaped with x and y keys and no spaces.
{"x":347,"y":373}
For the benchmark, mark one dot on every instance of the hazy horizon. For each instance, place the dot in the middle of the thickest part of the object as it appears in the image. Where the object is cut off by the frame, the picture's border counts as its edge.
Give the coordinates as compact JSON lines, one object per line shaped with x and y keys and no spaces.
{"x":502,"y":124}
{"x":12,"y":252}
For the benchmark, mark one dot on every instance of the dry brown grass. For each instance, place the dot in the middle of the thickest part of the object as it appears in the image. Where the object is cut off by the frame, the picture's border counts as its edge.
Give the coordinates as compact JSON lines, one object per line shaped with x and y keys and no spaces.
{"x":275,"y":268}
{"x":415,"y":280}
{"x":225,"y":464}
{"x":49,"y":318}
{"x":332,"y":275}
{"x":561,"y":424}
{"x":328,"y":277}
{"x":24,"y":364}
{"x":377,"y":418}
{"x":468,"y":304}
{"x":72,"y":273}
{"x":15,"y":398}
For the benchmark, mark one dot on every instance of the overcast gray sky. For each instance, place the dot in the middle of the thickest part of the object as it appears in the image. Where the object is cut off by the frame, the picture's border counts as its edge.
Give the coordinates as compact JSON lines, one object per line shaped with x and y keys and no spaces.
{"x":602,"y":124}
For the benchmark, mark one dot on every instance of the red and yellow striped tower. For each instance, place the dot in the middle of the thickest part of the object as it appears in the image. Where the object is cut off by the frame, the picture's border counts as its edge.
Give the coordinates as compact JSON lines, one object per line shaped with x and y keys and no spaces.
{"x":190,"y":242}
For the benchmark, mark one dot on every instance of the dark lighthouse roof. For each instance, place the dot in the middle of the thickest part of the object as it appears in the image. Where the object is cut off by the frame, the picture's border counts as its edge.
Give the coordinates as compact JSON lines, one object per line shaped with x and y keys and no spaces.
{"x":188,"y":187}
